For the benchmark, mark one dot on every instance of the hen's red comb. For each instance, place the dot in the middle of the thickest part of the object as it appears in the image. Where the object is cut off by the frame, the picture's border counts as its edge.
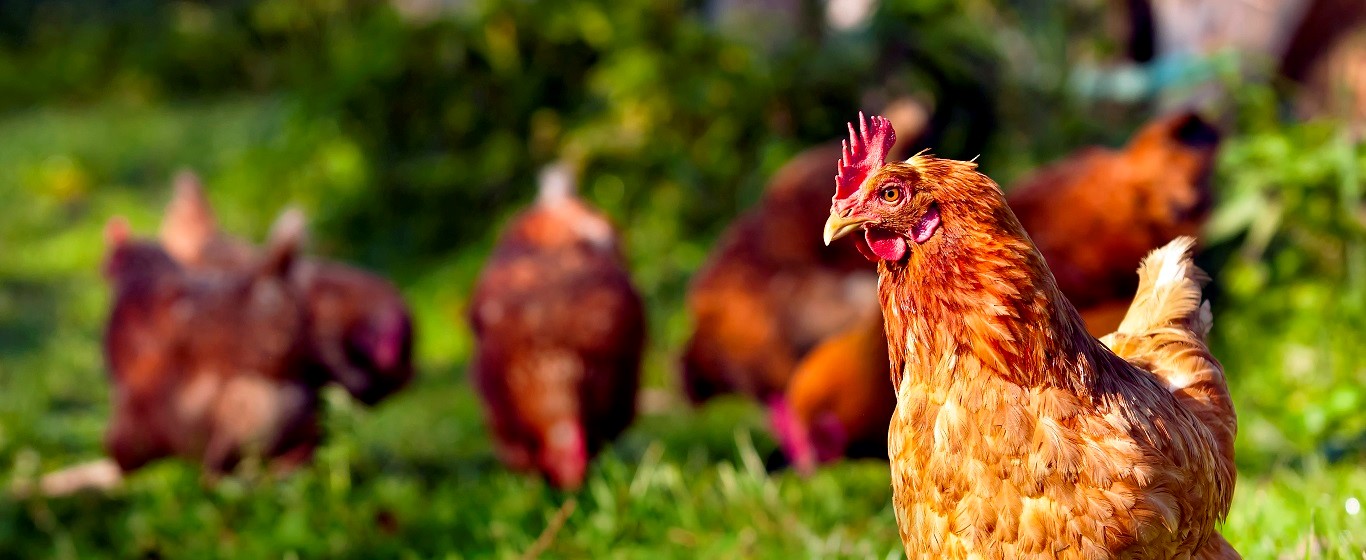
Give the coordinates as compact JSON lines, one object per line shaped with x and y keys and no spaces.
{"x":864,"y":152}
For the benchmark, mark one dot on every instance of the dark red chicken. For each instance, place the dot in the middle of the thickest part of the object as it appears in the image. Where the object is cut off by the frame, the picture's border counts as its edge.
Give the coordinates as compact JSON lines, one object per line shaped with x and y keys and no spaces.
{"x":360,"y":331}
{"x":559,"y":333}
{"x":207,"y":368}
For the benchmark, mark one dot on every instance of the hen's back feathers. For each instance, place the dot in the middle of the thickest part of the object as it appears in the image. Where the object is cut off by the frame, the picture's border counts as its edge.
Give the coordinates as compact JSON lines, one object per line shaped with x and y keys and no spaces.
{"x":1164,"y":333}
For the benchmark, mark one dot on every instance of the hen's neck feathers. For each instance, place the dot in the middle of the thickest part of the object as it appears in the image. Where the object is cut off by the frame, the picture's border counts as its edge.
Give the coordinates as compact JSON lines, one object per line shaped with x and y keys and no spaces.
{"x":979,"y":300}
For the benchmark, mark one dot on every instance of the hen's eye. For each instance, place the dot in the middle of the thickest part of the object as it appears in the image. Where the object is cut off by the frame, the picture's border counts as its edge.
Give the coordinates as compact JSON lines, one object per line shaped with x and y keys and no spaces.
{"x":890,"y":194}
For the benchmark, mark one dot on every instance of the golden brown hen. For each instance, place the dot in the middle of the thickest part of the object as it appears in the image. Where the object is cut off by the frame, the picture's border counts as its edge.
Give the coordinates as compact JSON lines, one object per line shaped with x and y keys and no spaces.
{"x":1093,"y":215}
{"x":360,"y":329}
{"x":560,"y":331}
{"x":1016,"y":434}
{"x":207,"y":368}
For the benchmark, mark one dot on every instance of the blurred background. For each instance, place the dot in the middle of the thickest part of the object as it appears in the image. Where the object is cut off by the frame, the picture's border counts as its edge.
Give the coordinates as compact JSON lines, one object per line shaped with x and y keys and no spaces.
{"x":409,"y":130}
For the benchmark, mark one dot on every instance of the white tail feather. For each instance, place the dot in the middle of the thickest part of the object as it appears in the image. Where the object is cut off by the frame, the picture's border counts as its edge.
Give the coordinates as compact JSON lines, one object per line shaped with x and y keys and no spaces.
{"x":1169,"y":292}
{"x":558,"y":182}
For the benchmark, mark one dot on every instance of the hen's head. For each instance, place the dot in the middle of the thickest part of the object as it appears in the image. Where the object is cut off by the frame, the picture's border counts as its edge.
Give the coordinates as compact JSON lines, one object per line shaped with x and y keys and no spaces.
{"x":189,"y":225}
{"x":383,"y":344}
{"x":1169,"y":162}
{"x":922,"y":204}
{"x":128,"y":261}
{"x":806,"y":435}
{"x":563,"y":455}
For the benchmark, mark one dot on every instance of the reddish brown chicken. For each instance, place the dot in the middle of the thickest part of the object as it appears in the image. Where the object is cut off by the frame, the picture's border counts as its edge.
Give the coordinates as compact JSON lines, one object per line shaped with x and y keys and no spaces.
{"x":359,"y":329}
{"x":207,"y":368}
{"x":1095,"y":214}
{"x":771,"y":290}
{"x":770,"y":293}
{"x":560,"y":331}
{"x":1017,"y":434}
{"x":839,"y":400}
{"x":1125,"y":202}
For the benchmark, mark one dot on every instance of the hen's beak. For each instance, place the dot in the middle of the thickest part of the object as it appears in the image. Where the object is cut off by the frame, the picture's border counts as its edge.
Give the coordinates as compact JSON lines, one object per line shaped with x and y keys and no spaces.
{"x":839,"y":226}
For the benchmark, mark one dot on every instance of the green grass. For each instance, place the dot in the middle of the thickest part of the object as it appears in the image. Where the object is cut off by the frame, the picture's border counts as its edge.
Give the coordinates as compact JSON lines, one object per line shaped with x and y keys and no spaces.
{"x":415,"y":477}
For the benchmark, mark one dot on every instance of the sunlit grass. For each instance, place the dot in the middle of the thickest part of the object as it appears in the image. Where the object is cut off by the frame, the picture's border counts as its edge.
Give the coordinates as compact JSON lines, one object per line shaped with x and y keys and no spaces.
{"x":658,"y":494}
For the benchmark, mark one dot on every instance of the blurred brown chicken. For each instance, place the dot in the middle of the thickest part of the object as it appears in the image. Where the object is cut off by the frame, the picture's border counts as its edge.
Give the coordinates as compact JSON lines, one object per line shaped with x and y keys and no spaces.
{"x":1093,"y":215}
{"x":559,"y":333}
{"x":204,"y":368}
{"x":839,"y":400}
{"x":359,"y":329}
{"x":771,"y":290}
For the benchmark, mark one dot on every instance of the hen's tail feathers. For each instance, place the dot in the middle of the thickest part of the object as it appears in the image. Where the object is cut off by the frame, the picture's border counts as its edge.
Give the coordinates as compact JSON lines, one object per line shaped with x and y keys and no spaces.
{"x":285,"y":242}
{"x":188,"y":224}
{"x":1165,"y":328}
{"x":102,"y":475}
{"x":557,"y":183}
{"x":1164,"y":333}
{"x":1169,"y":294}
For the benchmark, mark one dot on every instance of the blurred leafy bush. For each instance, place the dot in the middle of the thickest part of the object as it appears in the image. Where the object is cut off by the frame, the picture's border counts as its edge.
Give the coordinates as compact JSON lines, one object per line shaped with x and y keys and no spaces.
{"x":444,"y":120}
{"x":1289,"y":237}
{"x":407,"y":139}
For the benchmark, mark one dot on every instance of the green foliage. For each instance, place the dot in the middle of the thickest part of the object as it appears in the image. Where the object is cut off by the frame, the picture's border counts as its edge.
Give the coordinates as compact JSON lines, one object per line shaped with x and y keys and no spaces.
{"x":1291,"y":231}
{"x":458,"y":112}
